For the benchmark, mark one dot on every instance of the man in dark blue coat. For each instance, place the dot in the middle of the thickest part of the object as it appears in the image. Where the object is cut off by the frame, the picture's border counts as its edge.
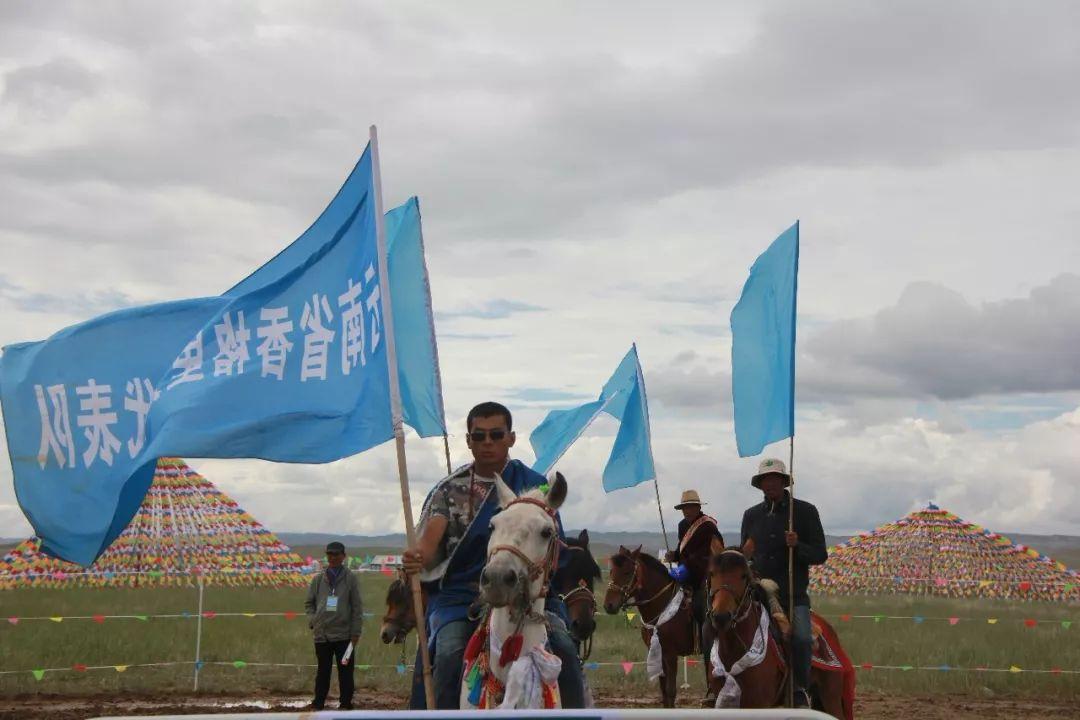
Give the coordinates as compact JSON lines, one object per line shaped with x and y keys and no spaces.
{"x":451,"y":551}
{"x":765,"y":535}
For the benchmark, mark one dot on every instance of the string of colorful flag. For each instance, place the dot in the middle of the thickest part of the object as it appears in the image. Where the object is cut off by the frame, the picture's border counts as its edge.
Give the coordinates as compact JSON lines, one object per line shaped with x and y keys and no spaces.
{"x":1022,"y":585}
{"x":208,"y":615}
{"x":626,"y":666}
{"x":291,"y":614}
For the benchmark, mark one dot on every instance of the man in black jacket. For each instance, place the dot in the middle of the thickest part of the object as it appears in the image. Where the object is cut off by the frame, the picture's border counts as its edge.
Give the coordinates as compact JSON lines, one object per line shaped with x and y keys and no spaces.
{"x":766,"y":536}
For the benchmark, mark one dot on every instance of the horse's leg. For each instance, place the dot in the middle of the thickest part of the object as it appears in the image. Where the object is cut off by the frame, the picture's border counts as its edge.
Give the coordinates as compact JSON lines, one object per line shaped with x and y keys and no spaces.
{"x":708,"y":636}
{"x":830,"y":691}
{"x":670,"y":679}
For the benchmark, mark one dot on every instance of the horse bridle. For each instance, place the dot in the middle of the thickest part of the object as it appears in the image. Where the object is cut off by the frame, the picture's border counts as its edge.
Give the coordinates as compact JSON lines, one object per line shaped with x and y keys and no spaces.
{"x":628,"y":591}
{"x":582,"y":594}
{"x":546,"y":565}
{"x":742,"y":609}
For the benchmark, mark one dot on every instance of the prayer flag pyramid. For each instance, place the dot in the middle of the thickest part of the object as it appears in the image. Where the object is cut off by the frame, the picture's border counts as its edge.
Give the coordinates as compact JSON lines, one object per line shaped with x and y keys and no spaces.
{"x":185,"y":529}
{"x":933,"y":552}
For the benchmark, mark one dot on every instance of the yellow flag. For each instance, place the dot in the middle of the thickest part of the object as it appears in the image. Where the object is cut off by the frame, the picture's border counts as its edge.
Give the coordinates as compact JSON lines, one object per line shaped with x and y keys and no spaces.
{"x":991,"y":621}
{"x":249,"y":614}
{"x":631,"y":616}
{"x":57,"y":619}
{"x":120,"y":668}
{"x":1015,"y":669}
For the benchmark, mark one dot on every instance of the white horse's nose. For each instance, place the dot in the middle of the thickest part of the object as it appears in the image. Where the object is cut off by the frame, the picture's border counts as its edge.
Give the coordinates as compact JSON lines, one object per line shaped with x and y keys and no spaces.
{"x":496,"y":576}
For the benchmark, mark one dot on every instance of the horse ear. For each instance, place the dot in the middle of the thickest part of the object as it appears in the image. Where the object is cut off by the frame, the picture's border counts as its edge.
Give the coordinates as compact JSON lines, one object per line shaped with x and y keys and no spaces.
{"x":716,"y":545}
{"x":583,"y":538}
{"x":505,"y":494}
{"x":556,"y":494}
{"x":637,"y":551}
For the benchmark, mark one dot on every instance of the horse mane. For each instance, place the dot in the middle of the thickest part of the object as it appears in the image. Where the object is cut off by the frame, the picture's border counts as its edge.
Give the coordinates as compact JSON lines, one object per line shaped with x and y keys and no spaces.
{"x":730,"y":558}
{"x":653,"y":563}
{"x":398,"y":592}
{"x":584,"y":557}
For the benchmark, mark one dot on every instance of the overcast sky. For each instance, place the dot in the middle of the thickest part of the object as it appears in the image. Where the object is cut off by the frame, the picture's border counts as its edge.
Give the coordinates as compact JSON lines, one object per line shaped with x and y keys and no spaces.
{"x":591,"y":176}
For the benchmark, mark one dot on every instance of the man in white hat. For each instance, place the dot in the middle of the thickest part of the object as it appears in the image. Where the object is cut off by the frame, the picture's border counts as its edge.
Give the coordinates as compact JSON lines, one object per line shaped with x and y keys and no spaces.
{"x":767,"y":537}
{"x":696,"y":531}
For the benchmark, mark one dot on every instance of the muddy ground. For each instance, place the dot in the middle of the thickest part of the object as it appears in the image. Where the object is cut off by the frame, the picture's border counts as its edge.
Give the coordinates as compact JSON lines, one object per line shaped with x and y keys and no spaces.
{"x":868,"y":707}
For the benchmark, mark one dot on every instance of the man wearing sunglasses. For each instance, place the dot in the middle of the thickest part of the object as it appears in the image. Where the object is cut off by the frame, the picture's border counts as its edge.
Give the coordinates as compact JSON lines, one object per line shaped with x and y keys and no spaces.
{"x":336,"y":616}
{"x":451,"y":552}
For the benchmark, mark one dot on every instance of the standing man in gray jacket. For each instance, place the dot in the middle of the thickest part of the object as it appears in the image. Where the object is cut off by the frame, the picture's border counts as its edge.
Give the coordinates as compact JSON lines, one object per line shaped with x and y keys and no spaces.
{"x":336,"y":616}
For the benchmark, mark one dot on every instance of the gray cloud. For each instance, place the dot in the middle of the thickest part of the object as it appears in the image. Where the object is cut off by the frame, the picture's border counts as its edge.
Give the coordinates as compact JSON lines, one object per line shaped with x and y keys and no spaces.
{"x":935,"y":343}
{"x":497,"y":309}
{"x":931,"y":344}
{"x":619,"y":175}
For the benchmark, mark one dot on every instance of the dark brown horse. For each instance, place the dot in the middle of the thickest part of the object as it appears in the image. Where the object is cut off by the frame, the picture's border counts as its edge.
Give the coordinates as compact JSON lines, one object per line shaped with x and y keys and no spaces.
{"x":640,"y":580}
{"x":400,"y":618}
{"x":574,"y":584}
{"x":736,"y":615}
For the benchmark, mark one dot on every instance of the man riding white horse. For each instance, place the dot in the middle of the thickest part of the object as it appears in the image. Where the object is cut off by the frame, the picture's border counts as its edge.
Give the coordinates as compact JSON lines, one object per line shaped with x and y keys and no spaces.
{"x":451,"y":552}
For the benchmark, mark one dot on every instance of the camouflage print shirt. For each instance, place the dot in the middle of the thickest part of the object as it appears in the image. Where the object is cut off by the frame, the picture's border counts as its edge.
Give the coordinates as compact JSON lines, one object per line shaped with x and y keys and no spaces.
{"x":459,"y":499}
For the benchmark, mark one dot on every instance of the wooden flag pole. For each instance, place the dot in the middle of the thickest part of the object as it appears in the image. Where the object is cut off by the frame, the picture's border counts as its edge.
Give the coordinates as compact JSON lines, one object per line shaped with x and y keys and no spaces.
{"x":396,"y":415}
{"x":446,"y":448}
{"x":791,"y":569}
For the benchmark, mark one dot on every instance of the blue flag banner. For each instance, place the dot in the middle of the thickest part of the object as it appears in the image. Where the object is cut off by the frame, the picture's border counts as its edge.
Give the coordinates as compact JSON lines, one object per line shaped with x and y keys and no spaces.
{"x":75,"y":413}
{"x":289,"y":365}
{"x":763,"y":347}
{"x":414,"y":328}
{"x":623,"y":397}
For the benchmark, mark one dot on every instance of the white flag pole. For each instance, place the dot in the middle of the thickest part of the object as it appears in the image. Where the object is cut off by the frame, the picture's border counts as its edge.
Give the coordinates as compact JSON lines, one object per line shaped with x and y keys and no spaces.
{"x":396,"y":412}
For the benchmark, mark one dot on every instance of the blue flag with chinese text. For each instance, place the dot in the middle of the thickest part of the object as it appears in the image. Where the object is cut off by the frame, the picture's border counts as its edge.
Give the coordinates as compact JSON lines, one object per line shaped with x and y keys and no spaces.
{"x":763,"y":347}
{"x":289,"y":365}
{"x":623,"y":397}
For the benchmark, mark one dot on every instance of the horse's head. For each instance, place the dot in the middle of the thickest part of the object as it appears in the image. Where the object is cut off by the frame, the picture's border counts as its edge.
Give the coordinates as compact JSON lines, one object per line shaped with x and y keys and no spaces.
{"x":729,"y":585}
{"x":523,"y":548}
{"x":623,"y":579}
{"x":400,"y":619}
{"x":574,"y":583}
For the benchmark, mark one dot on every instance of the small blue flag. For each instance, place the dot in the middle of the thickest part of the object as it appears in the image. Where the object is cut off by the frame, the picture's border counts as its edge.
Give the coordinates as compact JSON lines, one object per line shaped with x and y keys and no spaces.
{"x":763,"y":348}
{"x":623,"y":397}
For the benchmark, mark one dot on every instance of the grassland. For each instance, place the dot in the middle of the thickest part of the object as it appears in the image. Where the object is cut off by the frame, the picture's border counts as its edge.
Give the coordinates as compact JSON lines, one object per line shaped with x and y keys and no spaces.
{"x":40,"y":644}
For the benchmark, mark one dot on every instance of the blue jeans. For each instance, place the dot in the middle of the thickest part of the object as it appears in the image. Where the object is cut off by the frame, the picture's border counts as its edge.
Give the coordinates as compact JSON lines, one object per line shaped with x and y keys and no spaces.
{"x":802,"y":642}
{"x":448,"y":663}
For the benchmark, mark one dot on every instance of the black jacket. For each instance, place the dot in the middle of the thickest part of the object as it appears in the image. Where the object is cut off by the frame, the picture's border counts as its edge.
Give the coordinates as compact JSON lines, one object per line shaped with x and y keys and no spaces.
{"x":766,"y":523}
{"x":695,"y":556}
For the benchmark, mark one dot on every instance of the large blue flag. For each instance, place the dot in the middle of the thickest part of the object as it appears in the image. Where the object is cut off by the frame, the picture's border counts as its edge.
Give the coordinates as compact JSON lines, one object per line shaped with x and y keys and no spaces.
{"x":289,"y":365}
{"x":763,"y":347}
{"x":623,"y":397}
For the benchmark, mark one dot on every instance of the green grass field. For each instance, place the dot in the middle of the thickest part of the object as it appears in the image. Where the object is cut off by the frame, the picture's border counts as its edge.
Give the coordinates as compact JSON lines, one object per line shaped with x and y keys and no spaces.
{"x":41,"y":644}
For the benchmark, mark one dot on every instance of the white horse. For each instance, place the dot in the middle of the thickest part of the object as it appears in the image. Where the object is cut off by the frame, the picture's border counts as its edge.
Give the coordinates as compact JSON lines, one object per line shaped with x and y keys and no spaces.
{"x":507,"y":664}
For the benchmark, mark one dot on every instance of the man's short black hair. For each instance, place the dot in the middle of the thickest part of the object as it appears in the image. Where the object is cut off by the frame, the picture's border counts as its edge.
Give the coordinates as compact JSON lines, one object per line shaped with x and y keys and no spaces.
{"x":489,"y":409}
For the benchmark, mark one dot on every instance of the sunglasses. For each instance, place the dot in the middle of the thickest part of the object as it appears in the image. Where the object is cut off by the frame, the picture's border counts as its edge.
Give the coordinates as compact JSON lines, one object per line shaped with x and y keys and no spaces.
{"x":480,"y":436}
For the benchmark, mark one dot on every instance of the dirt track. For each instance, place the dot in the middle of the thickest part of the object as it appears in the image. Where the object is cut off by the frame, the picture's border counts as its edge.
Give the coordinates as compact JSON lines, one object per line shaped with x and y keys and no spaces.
{"x":870,"y":707}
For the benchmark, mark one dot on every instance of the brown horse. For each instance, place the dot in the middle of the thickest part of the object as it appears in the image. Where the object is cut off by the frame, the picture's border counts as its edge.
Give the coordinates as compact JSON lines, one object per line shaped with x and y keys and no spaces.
{"x":574,"y":584}
{"x":400,"y":617}
{"x":736,"y":616}
{"x":640,"y":580}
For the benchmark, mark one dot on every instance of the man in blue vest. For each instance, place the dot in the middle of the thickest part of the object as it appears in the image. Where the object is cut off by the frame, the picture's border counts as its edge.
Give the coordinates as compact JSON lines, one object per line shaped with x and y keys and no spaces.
{"x":451,"y":551}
